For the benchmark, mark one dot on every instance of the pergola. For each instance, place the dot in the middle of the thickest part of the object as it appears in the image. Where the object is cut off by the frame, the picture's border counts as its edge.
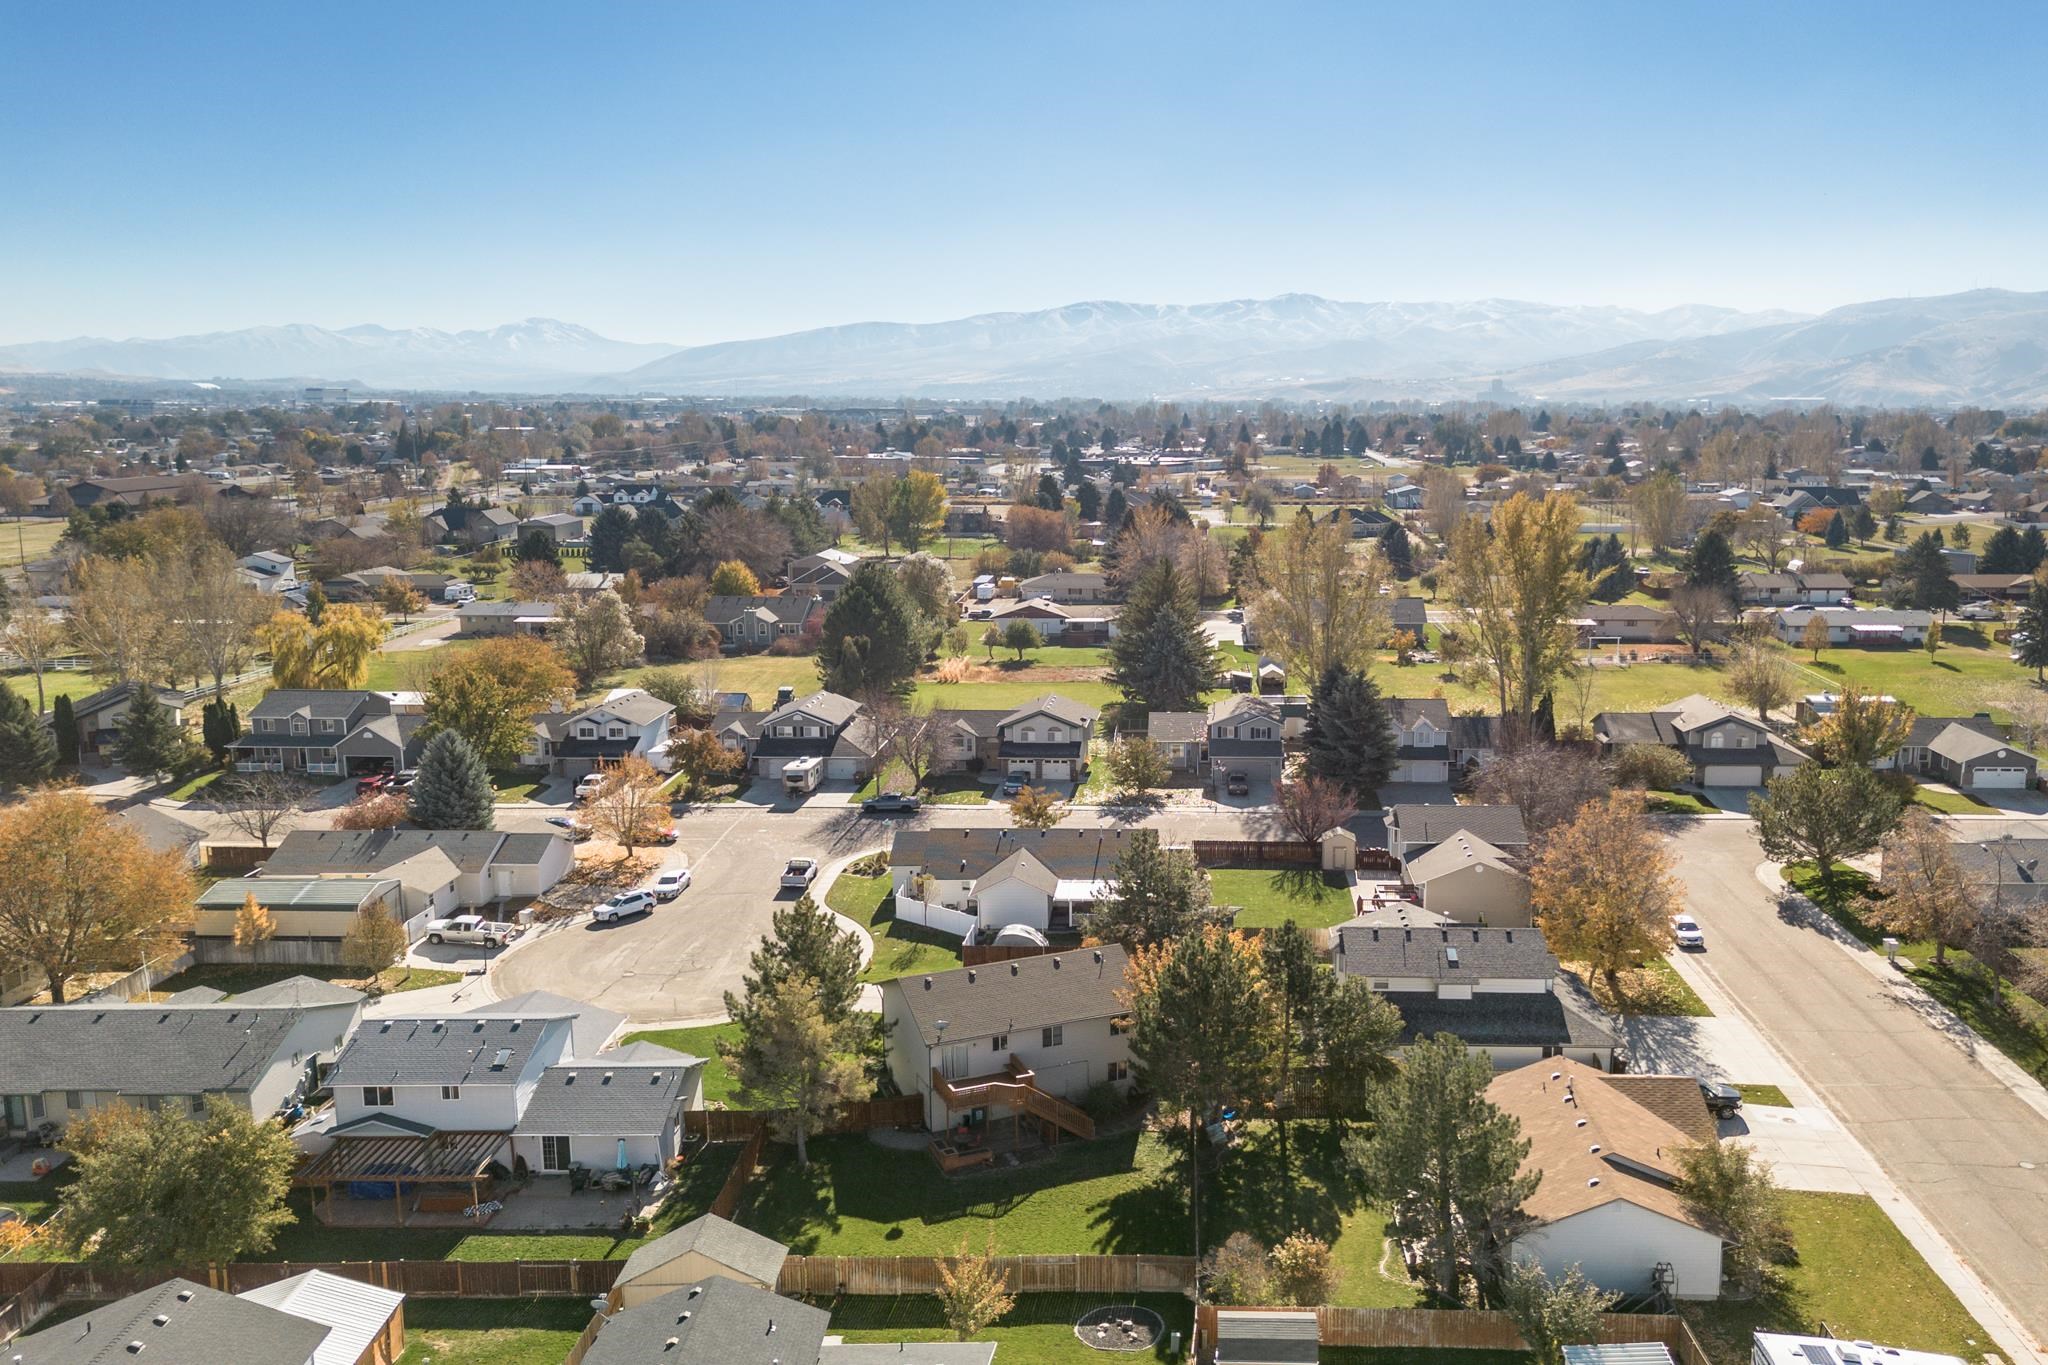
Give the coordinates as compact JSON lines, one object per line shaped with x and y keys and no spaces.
{"x":449,"y":1158}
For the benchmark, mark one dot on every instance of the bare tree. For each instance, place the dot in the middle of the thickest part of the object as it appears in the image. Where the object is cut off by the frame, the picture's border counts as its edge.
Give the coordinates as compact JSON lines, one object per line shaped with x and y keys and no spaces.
{"x":1759,"y":676}
{"x":1697,"y":613}
{"x":1766,"y":534}
{"x":35,"y":636}
{"x":1550,"y":782}
{"x":631,"y":807}
{"x":257,"y":803}
{"x":217,"y":614}
{"x":1311,"y":807}
{"x":1928,"y":893}
{"x":914,"y":740}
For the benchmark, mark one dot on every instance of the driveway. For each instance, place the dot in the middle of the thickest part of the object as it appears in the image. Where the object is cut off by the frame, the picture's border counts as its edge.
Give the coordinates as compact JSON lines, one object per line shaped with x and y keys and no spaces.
{"x":1968,"y":1154}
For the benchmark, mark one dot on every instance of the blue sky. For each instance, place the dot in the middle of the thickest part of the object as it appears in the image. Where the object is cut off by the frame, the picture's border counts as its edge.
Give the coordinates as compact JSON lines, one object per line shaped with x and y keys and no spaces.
{"x":692,"y":173}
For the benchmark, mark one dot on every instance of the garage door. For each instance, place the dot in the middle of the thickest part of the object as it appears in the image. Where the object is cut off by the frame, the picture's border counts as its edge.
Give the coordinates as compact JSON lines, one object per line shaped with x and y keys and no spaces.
{"x":1733,"y":775}
{"x":1423,"y":770}
{"x":1058,"y":770}
{"x":1999,"y":777}
{"x":772,"y":767}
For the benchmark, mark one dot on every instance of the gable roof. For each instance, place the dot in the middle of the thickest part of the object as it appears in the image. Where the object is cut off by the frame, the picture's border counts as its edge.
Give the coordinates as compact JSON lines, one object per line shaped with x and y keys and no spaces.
{"x":829,"y":707}
{"x":1453,"y":953}
{"x":142,"y":1049}
{"x":783,"y":607}
{"x":605,"y":1097}
{"x":354,"y":1313}
{"x":1455,"y":854}
{"x":633,"y":705}
{"x":1176,"y":727}
{"x":462,"y":1050}
{"x":590,"y":1028}
{"x":1405,"y":711}
{"x":199,"y":1326}
{"x":968,"y":854}
{"x":1023,"y":993}
{"x":1054,"y":705}
{"x":1500,"y":826}
{"x":314,"y":703}
{"x":714,"y":1322}
{"x":729,"y":1244}
{"x":317,"y":851}
{"x":1963,"y":743}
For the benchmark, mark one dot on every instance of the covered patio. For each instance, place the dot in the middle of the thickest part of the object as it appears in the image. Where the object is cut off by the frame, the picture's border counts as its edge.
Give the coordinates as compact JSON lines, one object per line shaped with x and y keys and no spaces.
{"x":436,"y":1175}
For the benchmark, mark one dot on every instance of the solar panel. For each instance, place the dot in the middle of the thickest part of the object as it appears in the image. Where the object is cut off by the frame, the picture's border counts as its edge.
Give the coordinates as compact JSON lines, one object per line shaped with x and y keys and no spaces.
{"x":1818,"y":1354}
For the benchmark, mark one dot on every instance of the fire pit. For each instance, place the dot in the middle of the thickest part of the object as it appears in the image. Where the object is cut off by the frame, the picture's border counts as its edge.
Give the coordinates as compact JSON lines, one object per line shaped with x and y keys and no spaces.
{"x":1120,"y":1327}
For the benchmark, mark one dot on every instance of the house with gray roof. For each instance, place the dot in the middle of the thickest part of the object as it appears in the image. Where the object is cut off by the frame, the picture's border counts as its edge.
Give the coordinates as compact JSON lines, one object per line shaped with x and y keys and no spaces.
{"x":1413,"y":830}
{"x":178,"y":1322}
{"x":304,"y":911}
{"x":1726,"y":747}
{"x":703,"y":1248}
{"x":1497,"y":989}
{"x":1969,"y":753}
{"x":748,"y":625}
{"x":1046,"y":740}
{"x":629,"y":723}
{"x":440,"y":872}
{"x":316,"y":732}
{"x":64,"y":1061}
{"x":823,"y":725}
{"x":478,"y":619}
{"x":1043,"y":879}
{"x":621,"y":1106}
{"x":714,"y":1322}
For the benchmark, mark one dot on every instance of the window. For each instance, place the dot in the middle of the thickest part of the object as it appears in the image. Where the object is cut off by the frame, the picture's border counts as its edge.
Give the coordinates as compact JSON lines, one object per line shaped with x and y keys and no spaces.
{"x":1119,"y":1027}
{"x":376,"y":1096}
{"x":1119,"y":1071}
{"x":963,"y":742}
{"x":1054,"y":1036}
{"x":451,"y":1092}
{"x":1748,"y":741}
{"x":199,"y":1104}
{"x":554,"y":1153}
{"x":298,"y":725}
{"x":1262,"y":732}
{"x":1379,"y":985}
{"x":74,"y":1099}
{"x":1717,"y":740}
{"x":999,"y":1043}
{"x":1029,"y":734}
{"x":328,"y":727}
{"x":616,"y":732}
{"x":586,"y":732}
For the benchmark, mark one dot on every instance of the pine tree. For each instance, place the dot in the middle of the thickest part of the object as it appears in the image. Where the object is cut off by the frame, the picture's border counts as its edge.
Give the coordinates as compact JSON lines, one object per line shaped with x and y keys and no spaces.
{"x":1161,"y":656}
{"x":452,"y":789}
{"x":2033,"y":622}
{"x":64,"y":725}
{"x":1157,"y":894}
{"x":1399,"y":553}
{"x":1350,"y":737}
{"x":149,"y":740}
{"x":28,"y":754}
{"x":2002,"y":552}
{"x":1928,"y":583}
{"x":316,"y":602}
{"x":2033,"y":549}
{"x":1837,"y":534}
{"x":873,"y":639}
{"x":220,"y":725}
{"x":1710,"y":563}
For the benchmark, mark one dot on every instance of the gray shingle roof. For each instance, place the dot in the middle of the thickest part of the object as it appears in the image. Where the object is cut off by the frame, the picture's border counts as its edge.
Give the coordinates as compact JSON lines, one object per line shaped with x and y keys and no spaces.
{"x":1500,"y":1019}
{"x":313,"y":703}
{"x":715,"y":1322}
{"x":602,"y":1098}
{"x":590,"y":1027}
{"x":1176,"y":727}
{"x":1023,"y":993}
{"x":1500,"y":826}
{"x":965,"y":854}
{"x":719,"y":610}
{"x":725,"y":1242}
{"x":200,"y":1326}
{"x":152,"y":1049}
{"x":312,"y":851}
{"x":299,"y":992}
{"x":1404,"y":711}
{"x":461,"y":1050}
{"x":1060,"y":708}
{"x":1481,"y":953}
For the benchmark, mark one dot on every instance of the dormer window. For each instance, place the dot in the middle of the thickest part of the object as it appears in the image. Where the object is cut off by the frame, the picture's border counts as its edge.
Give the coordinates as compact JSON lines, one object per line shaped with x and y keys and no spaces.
{"x":616,"y":732}
{"x":298,"y":725}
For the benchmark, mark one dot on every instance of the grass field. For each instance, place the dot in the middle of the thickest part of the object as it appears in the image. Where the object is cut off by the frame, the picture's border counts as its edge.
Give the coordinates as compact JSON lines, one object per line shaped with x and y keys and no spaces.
{"x":900,"y":949}
{"x":1269,"y":899}
{"x":76,"y":683}
{"x":1038,"y":1331}
{"x":699,"y":1042}
{"x":492,"y":1331}
{"x":1654,"y":988}
{"x":1764,"y":1094}
{"x":25,"y":539}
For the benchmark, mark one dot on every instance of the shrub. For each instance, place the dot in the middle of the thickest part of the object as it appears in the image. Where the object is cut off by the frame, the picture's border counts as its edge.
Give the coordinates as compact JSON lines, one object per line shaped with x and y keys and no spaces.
{"x":1651,"y":766}
{"x":377,"y":810}
{"x":1303,"y":1272}
{"x":870,"y":865}
{"x":1103,"y":1102}
{"x":1237,"y":1272}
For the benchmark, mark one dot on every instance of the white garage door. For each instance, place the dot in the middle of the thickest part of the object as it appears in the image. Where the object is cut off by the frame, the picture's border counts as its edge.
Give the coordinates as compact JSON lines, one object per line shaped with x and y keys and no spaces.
{"x":772,"y":767}
{"x":1999,"y":777}
{"x":842,"y":769}
{"x":1058,"y":770}
{"x":1733,"y":775}
{"x":1423,"y":770}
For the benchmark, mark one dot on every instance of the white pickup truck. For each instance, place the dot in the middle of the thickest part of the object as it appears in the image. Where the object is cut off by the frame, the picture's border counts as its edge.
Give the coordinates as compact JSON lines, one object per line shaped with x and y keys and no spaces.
{"x":471,"y":929}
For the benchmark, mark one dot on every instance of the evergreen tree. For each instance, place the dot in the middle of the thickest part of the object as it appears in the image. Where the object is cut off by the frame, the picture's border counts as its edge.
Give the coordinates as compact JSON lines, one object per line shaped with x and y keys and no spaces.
{"x":1157,"y":894}
{"x":2033,"y":622}
{"x":1606,"y":564}
{"x":2003,"y":552}
{"x":1710,"y":563}
{"x":316,"y":602}
{"x":537,"y":547}
{"x":64,"y":725}
{"x":1837,"y":534}
{"x":1161,"y":656}
{"x":1399,"y":553}
{"x":452,"y":789}
{"x":1923,"y":577}
{"x":220,"y":725}
{"x":609,"y":532}
{"x":1350,"y":737}
{"x":873,"y":638}
{"x":2033,"y":549}
{"x":1049,"y":495}
{"x":28,"y":754}
{"x":1114,"y":507}
{"x":149,"y":740}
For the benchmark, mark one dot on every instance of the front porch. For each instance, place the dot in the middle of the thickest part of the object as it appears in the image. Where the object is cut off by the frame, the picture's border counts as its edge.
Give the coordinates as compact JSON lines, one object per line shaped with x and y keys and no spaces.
{"x":272,"y":759}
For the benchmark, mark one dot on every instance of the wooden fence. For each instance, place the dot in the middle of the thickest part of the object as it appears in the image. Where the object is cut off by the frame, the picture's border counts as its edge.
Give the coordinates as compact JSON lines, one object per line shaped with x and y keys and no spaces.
{"x":142,"y":980}
{"x":1256,"y":853}
{"x":583,"y":1342}
{"x":728,"y":1201}
{"x":1456,"y":1329}
{"x":981,"y":954}
{"x":825,"y":1276}
{"x":738,"y":1125}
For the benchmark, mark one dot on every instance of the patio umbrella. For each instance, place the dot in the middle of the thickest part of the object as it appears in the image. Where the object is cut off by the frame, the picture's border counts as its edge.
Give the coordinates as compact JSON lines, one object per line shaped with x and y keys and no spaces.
{"x":622,"y":1154}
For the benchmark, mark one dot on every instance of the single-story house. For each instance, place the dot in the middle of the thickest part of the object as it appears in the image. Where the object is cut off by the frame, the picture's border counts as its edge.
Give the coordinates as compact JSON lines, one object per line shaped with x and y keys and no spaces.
{"x":1066,"y":586}
{"x":100,"y":715}
{"x":440,"y":871}
{"x":704,"y":1248}
{"x":1411,"y":614}
{"x":1998,"y":587}
{"x":1045,"y":879}
{"x":747,"y":625}
{"x":479,"y":618}
{"x":719,"y":1321}
{"x":1607,"y":1202}
{"x":1791,"y":589}
{"x":559,"y":527}
{"x":1969,"y":753}
{"x":1080,"y":624}
{"x":1859,"y":626}
{"x":1626,"y":623}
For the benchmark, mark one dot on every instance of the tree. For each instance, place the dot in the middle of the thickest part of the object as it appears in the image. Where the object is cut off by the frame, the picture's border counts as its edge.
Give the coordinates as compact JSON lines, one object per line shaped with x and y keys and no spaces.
{"x":1157,"y":894}
{"x":917,"y":509}
{"x":490,"y":694}
{"x":1552,"y":1314}
{"x":1303,"y":1271}
{"x":702,"y":758}
{"x":1603,"y":892}
{"x":536,"y":580}
{"x":1549,"y":783}
{"x":1396,"y":550}
{"x":1815,"y":636}
{"x":874,"y":638}
{"x":397,"y":597}
{"x":992,"y":640}
{"x":1161,"y":657}
{"x":150,"y":741}
{"x":631,"y":807}
{"x":1765,"y":535}
{"x":1447,"y":1159}
{"x":1199,"y":1037}
{"x":1350,"y":736}
{"x":1652,"y":767}
{"x":1354,"y":1030}
{"x":1922,"y":578}
{"x":1659,"y":504}
{"x":1759,"y":677}
{"x":334,"y":653}
{"x":1135,"y":767}
{"x":1518,"y":589}
{"x":1696,"y":615}
{"x":595,"y":634}
{"x":64,"y":726}
{"x":1835,"y":535}
{"x":1236,"y":1272}
{"x":1927,"y":893}
{"x":1824,"y":814}
{"x":118,"y":618}
{"x":220,"y":725}
{"x":869,"y":504}
{"x":373,"y":942}
{"x":374,"y":810}
{"x":35,"y":636}
{"x":80,"y":890}
{"x":2031,"y":652}
{"x":1312,"y":806}
{"x":1862,"y":729}
{"x":1023,"y":637}
{"x":255,"y":804}
{"x":972,"y":1291}
{"x":734,"y":579}
{"x":452,"y":789}
{"x":168,"y":1187}
{"x":253,"y":924}
{"x":28,"y":754}
{"x":538,"y":547}
{"x":1711,"y":564}
{"x":1036,"y":808}
{"x":1729,"y":1186}
{"x":1317,"y":604}
{"x":610,"y":530}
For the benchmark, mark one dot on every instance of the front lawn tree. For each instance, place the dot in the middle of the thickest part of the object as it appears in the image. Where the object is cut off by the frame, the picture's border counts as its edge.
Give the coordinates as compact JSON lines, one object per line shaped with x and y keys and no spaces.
{"x":168,"y":1187}
{"x":1448,"y":1161}
{"x":150,"y":742}
{"x":1927,"y":893}
{"x":1603,"y":891}
{"x":452,"y":789}
{"x":913,"y":739}
{"x":1730,"y":1186}
{"x":1161,"y":657}
{"x":1861,"y":729}
{"x":1023,"y":637}
{"x":374,"y":941}
{"x":1824,"y":815}
{"x":1135,"y":767}
{"x":631,"y":808}
{"x":1311,"y":807}
{"x":1350,"y":736}
{"x":255,"y":804}
{"x":1036,"y":808}
{"x":81,"y":891}
{"x":490,"y":694}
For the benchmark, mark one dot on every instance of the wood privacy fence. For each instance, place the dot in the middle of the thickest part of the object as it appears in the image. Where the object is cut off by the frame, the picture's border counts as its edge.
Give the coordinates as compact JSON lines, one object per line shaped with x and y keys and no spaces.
{"x":583,"y":1342}
{"x":825,"y":1276}
{"x":739,"y":1125}
{"x":981,"y":954}
{"x":727,"y":1202}
{"x":1256,"y":853}
{"x":1444,"y":1329}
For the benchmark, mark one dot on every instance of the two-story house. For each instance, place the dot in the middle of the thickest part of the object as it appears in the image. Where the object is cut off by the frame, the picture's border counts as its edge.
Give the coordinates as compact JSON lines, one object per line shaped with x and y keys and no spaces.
{"x":1414,"y":829}
{"x":1046,"y":740}
{"x":822,"y":725}
{"x":628,"y":723}
{"x":748,"y":625}
{"x":823,"y":575}
{"x":330,"y":733}
{"x":981,"y":1044}
{"x":1043,"y":879}
{"x":1497,"y":989}
{"x":1727,"y":749}
{"x":1247,"y":733}
{"x":269,"y":571}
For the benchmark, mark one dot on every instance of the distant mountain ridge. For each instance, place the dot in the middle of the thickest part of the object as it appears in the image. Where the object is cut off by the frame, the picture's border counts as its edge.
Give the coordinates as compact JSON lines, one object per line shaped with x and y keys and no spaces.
{"x":1987,"y":346}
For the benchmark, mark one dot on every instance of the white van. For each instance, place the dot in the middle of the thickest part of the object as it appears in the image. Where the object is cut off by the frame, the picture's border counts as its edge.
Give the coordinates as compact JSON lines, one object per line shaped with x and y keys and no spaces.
{"x":803,"y":775}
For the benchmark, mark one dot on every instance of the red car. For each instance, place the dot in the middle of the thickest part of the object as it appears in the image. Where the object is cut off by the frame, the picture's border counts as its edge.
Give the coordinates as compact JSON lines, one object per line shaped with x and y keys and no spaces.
{"x":375,"y":782}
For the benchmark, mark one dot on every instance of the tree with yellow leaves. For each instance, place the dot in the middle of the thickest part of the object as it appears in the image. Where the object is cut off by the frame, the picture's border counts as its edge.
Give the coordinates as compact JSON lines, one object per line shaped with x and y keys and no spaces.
{"x":972,"y":1292}
{"x":1518,"y":585}
{"x":336,"y":653}
{"x":1603,"y":891}
{"x":253,"y":924}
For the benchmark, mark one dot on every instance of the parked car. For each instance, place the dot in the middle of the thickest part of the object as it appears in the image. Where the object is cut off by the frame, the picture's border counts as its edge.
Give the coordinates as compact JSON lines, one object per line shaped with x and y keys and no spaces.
{"x":591,"y":785}
{"x":1237,"y":784}
{"x":625,"y":904}
{"x":1723,"y":1101}
{"x":1979,"y":611}
{"x":575,"y":829}
{"x":672,"y":883}
{"x":375,"y":782}
{"x":800,"y":872}
{"x":471,"y":929}
{"x":892,"y":803}
{"x":1013,"y":784}
{"x":1686,"y":931}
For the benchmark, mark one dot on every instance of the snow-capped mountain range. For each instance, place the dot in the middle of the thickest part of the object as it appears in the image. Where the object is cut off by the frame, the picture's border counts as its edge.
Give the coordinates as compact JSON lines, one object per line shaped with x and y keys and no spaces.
{"x":1986,"y":347}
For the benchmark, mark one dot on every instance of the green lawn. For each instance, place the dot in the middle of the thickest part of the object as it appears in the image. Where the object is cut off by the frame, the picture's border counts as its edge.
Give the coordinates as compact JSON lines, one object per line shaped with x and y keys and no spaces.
{"x":234,"y":978}
{"x":518,"y":784}
{"x":1269,"y":899}
{"x":900,"y":949}
{"x":1948,"y":802}
{"x":1677,"y":803}
{"x":1038,"y":1331}
{"x":407,"y":669}
{"x":1856,"y":1272}
{"x":492,"y":1331}
{"x":950,"y":789}
{"x":78,"y":684}
{"x":699,"y":1042}
{"x":192,"y":787}
{"x":1763,"y":1094}
{"x":27,"y":539}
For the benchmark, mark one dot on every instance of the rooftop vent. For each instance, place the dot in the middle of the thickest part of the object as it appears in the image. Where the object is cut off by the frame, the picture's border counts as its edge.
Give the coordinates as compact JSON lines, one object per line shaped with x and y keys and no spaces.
{"x":160,"y":1319}
{"x":134,"y":1348}
{"x":1557,"y":1075}
{"x":1594,"y":1149}
{"x":1013,"y":969}
{"x":1580,"y":1124}
{"x":607,"y":1078}
{"x":927,"y":983}
{"x":695,"y":1290}
{"x":1055,"y":964}
{"x":1593,"y":1183}
{"x":184,"y":1296}
{"x":1098,"y":957}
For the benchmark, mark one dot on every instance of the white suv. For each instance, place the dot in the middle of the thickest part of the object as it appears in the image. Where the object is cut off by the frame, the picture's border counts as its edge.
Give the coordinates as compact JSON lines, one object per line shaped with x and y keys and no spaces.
{"x":624,"y":904}
{"x":672,"y":883}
